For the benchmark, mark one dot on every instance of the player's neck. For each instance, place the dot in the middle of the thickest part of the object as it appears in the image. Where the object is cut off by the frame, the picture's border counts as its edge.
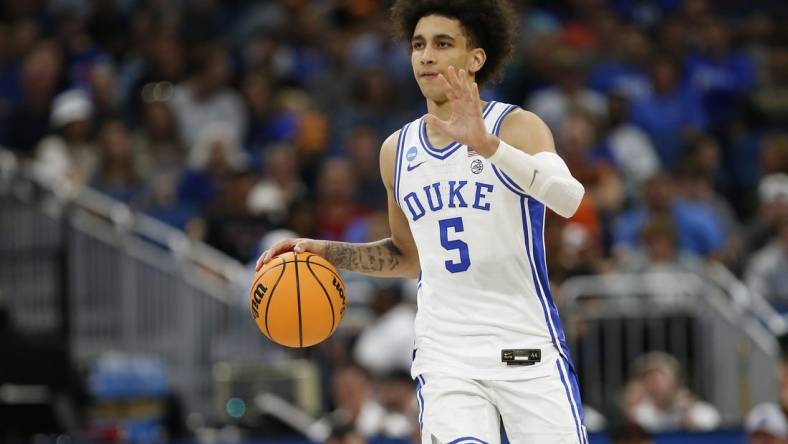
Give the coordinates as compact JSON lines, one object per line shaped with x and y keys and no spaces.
{"x":442,"y":110}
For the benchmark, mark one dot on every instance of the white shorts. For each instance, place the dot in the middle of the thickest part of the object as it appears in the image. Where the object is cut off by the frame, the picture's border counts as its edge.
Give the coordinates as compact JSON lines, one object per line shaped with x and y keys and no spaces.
{"x":544,"y":410}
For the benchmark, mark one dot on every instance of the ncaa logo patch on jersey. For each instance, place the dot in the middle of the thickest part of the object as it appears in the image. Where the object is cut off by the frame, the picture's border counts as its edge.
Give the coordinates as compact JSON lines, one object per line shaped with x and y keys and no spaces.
{"x":411,"y":154}
{"x":477,"y":166}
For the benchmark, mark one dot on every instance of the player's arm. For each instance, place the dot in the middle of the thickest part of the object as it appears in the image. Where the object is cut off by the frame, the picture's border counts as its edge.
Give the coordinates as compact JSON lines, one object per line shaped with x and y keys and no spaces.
{"x":395,"y":256}
{"x":525,"y":151}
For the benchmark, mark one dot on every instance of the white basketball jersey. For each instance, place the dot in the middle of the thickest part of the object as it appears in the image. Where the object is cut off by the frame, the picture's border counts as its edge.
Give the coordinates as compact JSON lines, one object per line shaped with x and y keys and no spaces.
{"x":483,"y":287}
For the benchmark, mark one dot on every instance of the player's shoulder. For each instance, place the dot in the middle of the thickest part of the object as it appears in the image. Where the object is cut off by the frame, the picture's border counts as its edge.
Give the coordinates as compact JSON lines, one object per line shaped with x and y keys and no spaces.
{"x":527,"y":131}
{"x":522,"y":118}
{"x":389,"y":145}
{"x":388,"y":153}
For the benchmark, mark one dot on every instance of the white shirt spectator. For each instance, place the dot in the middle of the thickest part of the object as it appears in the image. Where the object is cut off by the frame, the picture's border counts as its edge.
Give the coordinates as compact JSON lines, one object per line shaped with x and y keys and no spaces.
{"x":387,"y":343}
{"x":553,"y":105}
{"x":195,"y":113}
{"x":634,"y":153}
{"x":767,"y":418}
{"x":767,"y":274}
{"x":702,"y":415}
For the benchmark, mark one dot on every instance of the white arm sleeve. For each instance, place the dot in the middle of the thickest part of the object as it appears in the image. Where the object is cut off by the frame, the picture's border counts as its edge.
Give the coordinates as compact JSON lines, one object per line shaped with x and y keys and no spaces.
{"x":543,"y":175}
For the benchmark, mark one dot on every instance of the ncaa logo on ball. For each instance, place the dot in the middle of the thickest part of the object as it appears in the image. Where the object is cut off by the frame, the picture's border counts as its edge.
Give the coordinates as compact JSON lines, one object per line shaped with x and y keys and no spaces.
{"x":477,"y":166}
{"x":411,"y":154}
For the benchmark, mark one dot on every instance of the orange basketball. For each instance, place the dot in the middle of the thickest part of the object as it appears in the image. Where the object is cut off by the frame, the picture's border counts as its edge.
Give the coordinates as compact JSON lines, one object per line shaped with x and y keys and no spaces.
{"x":297,"y":300}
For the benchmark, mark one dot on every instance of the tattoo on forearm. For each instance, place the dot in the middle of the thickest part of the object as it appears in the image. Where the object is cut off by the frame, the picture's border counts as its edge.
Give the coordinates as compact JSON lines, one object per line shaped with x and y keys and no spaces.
{"x":375,"y":257}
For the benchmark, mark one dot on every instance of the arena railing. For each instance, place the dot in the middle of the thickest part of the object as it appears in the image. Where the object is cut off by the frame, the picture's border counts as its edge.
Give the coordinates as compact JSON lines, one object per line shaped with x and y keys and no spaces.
{"x":728,"y":355}
{"x":109,"y":279}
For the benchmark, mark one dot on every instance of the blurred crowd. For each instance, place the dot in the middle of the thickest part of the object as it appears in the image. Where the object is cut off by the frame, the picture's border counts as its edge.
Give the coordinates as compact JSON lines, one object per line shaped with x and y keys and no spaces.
{"x":238,"y":119}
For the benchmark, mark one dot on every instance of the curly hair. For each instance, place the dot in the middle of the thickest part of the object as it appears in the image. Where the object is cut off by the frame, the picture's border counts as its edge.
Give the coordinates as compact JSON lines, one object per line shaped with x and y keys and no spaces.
{"x":488,"y":24}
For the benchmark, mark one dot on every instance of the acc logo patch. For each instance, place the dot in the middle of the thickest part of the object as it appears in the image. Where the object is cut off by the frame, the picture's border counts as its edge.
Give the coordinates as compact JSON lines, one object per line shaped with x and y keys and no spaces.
{"x":477,"y":166}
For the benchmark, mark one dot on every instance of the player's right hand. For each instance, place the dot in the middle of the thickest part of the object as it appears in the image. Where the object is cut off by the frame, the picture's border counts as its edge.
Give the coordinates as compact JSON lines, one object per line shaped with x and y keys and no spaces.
{"x":298,"y":245}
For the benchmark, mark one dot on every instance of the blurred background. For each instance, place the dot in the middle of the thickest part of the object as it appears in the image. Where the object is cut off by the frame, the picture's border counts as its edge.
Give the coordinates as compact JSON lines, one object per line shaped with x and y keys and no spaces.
{"x":150,"y":150}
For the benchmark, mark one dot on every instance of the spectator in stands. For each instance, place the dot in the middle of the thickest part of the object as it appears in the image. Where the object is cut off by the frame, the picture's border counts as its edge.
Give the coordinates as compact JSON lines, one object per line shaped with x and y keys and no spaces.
{"x":212,"y":161}
{"x":630,"y":148}
{"x":385,"y":345}
{"x":575,"y":249}
{"x":695,"y":182}
{"x":376,"y":101}
{"x":104,"y":93}
{"x":772,"y":207}
{"x":397,"y":393}
{"x":626,"y":73}
{"x":258,"y":94}
{"x":556,"y":103}
{"x":658,"y":400}
{"x":672,"y":115}
{"x":766,"y":424}
{"x":68,"y":157}
{"x":361,"y":146}
{"x":25,"y":123}
{"x":774,"y":154}
{"x":355,"y":403}
{"x":82,"y":52}
{"x":697,"y":227}
{"x":721,"y":75}
{"x":116,"y":175}
{"x":160,"y":200}
{"x":160,"y":58}
{"x":576,"y":142}
{"x":660,"y":252}
{"x":767,"y":273}
{"x":771,"y":97}
{"x":17,"y":40}
{"x":336,"y":203}
{"x":157,"y":144}
{"x":280,"y":184}
{"x":674,"y":38}
{"x":205,"y":98}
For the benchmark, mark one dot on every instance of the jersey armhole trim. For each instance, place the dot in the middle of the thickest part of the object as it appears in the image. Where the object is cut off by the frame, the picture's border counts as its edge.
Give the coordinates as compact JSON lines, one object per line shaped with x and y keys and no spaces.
{"x":498,"y":122}
{"x":398,"y":162}
{"x":503,"y":177}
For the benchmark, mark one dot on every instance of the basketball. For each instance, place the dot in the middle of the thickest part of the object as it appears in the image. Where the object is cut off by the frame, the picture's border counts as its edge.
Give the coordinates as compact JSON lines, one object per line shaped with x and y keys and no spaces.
{"x":297,"y":300}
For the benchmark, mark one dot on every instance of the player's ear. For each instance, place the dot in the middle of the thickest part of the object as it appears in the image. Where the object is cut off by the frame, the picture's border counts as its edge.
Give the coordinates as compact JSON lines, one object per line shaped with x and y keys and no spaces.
{"x":478,"y":57}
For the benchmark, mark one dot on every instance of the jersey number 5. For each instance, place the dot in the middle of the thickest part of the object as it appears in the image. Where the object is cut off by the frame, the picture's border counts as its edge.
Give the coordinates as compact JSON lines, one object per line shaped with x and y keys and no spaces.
{"x":454,"y":223}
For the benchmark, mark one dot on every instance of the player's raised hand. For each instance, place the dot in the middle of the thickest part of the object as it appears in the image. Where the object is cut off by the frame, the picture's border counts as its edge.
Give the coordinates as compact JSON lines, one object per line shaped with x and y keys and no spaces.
{"x":298,"y":245}
{"x":466,"y":123}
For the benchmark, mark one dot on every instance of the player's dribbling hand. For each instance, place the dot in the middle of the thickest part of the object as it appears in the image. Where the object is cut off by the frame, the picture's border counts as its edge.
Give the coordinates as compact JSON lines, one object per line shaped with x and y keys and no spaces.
{"x":298,"y":245}
{"x":466,"y":123}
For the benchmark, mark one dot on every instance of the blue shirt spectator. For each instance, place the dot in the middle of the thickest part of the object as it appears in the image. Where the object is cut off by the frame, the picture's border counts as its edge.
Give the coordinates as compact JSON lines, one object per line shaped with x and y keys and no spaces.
{"x":721,"y":82}
{"x":669,"y":115}
{"x":666,"y":119}
{"x":720,"y":75}
{"x":698,"y":229}
{"x":620,"y":77}
{"x":626,"y":72}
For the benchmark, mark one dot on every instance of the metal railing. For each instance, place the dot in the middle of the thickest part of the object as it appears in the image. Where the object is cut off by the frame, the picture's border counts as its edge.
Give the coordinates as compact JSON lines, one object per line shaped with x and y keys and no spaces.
{"x":132,"y":284}
{"x":728,"y":356}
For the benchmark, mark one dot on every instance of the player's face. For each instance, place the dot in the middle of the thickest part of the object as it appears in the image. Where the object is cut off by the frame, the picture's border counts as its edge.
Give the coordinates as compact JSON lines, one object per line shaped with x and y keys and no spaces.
{"x":437,"y":43}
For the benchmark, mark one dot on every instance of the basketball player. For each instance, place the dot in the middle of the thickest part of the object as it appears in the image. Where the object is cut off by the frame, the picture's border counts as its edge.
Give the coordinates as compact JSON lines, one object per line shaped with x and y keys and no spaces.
{"x":468,"y":185}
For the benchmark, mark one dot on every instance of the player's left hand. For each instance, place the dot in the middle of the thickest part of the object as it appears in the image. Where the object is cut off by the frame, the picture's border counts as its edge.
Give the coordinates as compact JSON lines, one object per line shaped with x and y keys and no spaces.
{"x":466,"y":123}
